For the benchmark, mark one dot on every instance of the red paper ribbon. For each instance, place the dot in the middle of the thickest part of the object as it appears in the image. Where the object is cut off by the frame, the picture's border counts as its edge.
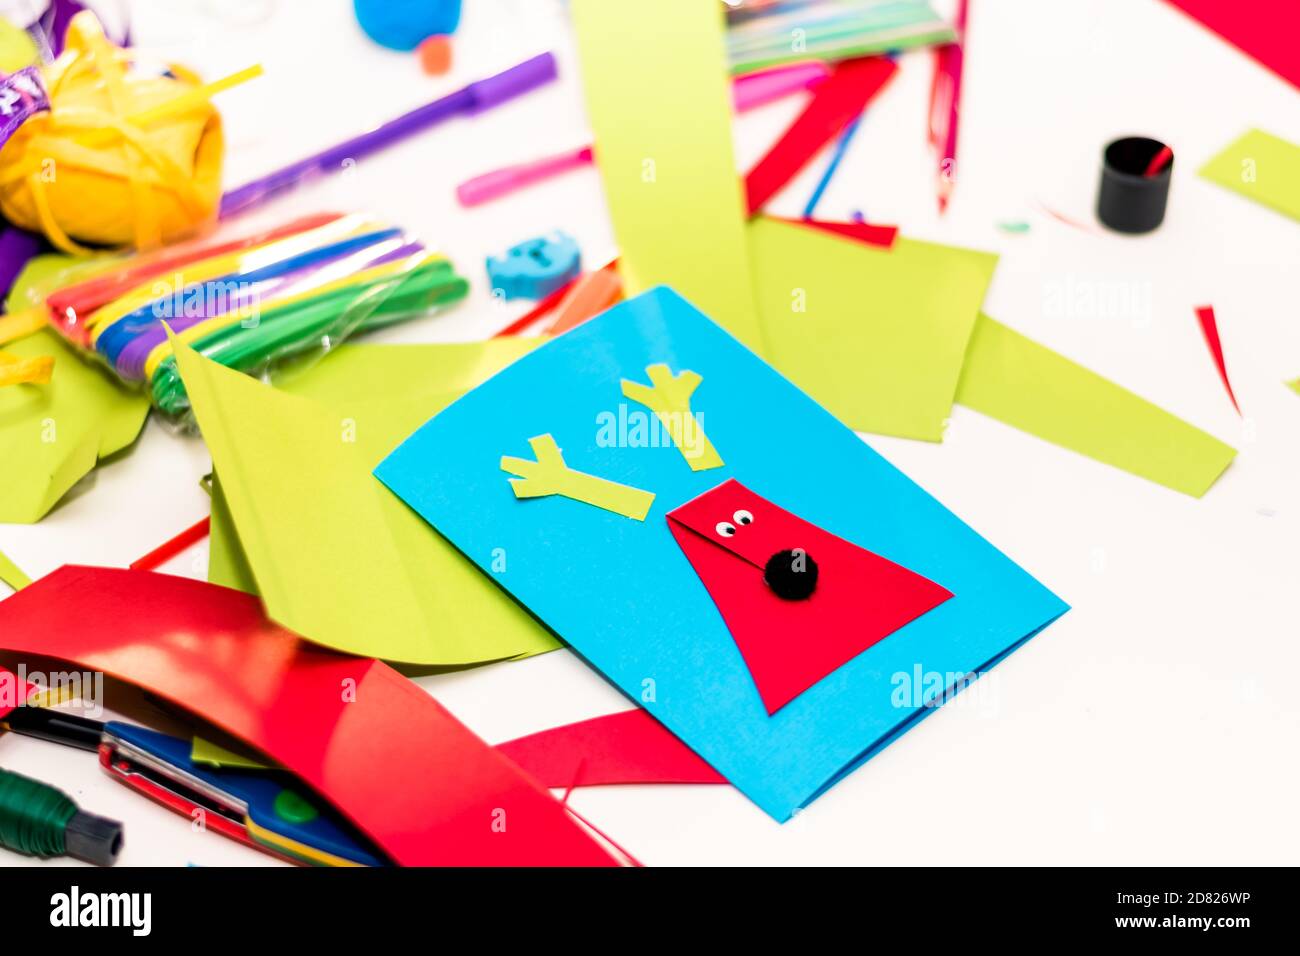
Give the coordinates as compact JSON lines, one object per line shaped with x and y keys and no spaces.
{"x":1265,"y":30}
{"x":13,"y":692}
{"x":380,"y":749}
{"x":627,"y":747}
{"x":872,"y":235}
{"x":835,"y":103}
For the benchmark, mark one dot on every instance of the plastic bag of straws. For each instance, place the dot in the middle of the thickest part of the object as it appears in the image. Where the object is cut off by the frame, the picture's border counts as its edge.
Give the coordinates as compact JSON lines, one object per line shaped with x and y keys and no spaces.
{"x":246,"y":298}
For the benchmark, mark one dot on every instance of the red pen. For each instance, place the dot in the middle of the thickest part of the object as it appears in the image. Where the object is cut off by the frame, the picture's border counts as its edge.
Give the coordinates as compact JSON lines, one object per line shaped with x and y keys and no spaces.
{"x":749,"y":91}
{"x":1158,"y":162}
{"x":945,"y":98}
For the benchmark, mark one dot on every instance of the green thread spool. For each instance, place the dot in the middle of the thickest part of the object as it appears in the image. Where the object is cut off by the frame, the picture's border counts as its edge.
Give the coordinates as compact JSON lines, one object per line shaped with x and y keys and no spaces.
{"x":41,"y":821}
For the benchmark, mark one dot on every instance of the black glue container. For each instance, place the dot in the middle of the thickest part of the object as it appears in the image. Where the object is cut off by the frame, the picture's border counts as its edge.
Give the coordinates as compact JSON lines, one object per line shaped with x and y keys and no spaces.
{"x":1129,"y":200}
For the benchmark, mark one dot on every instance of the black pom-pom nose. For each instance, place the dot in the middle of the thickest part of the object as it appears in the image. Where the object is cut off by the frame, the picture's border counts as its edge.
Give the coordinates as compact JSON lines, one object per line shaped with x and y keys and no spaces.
{"x":791,"y":574}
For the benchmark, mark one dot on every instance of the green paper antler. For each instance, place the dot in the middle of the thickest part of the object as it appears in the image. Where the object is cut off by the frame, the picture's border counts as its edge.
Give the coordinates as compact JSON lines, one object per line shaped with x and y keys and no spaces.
{"x":549,"y":475}
{"x":669,"y":397}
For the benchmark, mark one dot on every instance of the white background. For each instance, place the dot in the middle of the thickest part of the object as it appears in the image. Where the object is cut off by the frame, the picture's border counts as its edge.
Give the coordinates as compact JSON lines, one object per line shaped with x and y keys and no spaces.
{"x":1157,"y":721}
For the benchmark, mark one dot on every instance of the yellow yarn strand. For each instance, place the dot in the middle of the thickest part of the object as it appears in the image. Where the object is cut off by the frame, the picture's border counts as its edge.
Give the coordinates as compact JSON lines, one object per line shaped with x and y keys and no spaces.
{"x":25,"y":371}
{"x":19,"y":325}
{"x":14,"y":370}
{"x":104,"y":56}
{"x":194,"y":98}
{"x":49,"y":225}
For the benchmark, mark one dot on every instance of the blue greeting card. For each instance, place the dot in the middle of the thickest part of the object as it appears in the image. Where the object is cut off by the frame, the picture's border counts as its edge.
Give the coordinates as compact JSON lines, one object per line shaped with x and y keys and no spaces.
{"x":719,"y":546}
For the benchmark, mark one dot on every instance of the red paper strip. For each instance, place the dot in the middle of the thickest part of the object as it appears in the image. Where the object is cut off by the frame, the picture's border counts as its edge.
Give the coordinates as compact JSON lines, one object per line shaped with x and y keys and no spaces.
{"x":872,"y":235}
{"x":1210,"y":329}
{"x":13,"y":692}
{"x":627,"y":747}
{"x":169,"y":549}
{"x":1266,"y":30}
{"x":836,"y":103}
{"x":729,"y":534}
{"x":384,"y":752}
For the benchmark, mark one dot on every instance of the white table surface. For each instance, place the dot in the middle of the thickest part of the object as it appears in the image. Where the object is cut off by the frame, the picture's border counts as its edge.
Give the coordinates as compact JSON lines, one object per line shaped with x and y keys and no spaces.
{"x":1157,"y":722}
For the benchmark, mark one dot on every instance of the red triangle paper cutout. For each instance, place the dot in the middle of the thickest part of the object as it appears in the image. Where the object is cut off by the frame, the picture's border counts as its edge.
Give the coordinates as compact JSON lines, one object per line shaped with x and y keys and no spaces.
{"x":729,"y":534}
{"x":13,"y":692}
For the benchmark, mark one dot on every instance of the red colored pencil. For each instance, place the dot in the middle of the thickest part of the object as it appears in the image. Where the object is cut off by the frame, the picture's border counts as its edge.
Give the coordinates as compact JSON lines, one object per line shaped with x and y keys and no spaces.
{"x":1159,"y":161}
{"x":945,"y":100}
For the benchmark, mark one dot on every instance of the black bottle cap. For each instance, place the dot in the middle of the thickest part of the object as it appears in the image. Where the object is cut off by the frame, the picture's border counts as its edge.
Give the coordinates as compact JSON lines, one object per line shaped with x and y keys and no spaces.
{"x":93,"y":839}
{"x":1129,"y":200}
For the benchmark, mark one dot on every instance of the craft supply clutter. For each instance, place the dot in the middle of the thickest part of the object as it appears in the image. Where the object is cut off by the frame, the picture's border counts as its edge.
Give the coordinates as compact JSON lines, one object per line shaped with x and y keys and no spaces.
{"x":607,"y":393}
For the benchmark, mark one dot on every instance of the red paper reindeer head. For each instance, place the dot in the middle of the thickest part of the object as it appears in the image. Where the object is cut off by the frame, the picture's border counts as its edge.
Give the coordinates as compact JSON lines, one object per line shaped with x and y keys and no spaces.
{"x":799,"y":601}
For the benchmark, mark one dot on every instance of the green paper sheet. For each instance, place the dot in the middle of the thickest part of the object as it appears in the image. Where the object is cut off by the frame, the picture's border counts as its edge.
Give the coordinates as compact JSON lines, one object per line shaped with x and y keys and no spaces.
{"x":11,"y":574}
{"x":227,"y":564}
{"x":1026,"y":385}
{"x":335,"y":555}
{"x":659,"y":104}
{"x":52,"y":435}
{"x":877,"y":336}
{"x":1262,"y":167}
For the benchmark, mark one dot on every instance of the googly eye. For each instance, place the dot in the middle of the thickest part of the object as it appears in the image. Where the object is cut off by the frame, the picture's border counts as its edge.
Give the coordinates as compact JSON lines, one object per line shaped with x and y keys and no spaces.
{"x":742,"y":517}
{"x":725,"y":528}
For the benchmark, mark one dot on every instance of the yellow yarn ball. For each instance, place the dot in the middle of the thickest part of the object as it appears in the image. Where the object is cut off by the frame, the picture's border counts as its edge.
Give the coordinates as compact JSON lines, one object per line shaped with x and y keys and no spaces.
{"x":112,"y":163}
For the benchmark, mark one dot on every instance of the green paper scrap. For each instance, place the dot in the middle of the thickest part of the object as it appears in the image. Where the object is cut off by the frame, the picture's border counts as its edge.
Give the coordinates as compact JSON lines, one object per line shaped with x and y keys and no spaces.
{"x":659,"y":104}
{"x":11,"y":574}
{"x":1262,"y":167}
{"x":335,"y":555}
{"x":1028,"y":386}
{"x":1294,"y":386}
{"x":227,"y":564}
{"x":52,"y":435}
{"x":878,"y":336}
{"x":214,"y":755}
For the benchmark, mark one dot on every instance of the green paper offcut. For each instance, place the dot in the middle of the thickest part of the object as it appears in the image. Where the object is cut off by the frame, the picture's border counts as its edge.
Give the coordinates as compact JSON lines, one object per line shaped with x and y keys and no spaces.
{"x":877,"y":336}
{"x":1030,"y":387}
{"x":227,"y":564}
{"x":334,"y":555}
{"x":889,"y":338}
{"x":52,"y":435}
{"x":1294,"y":386}
{"x":1262,"y":167}
{"x":214,"y":755}
{"x":659,"y":103}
